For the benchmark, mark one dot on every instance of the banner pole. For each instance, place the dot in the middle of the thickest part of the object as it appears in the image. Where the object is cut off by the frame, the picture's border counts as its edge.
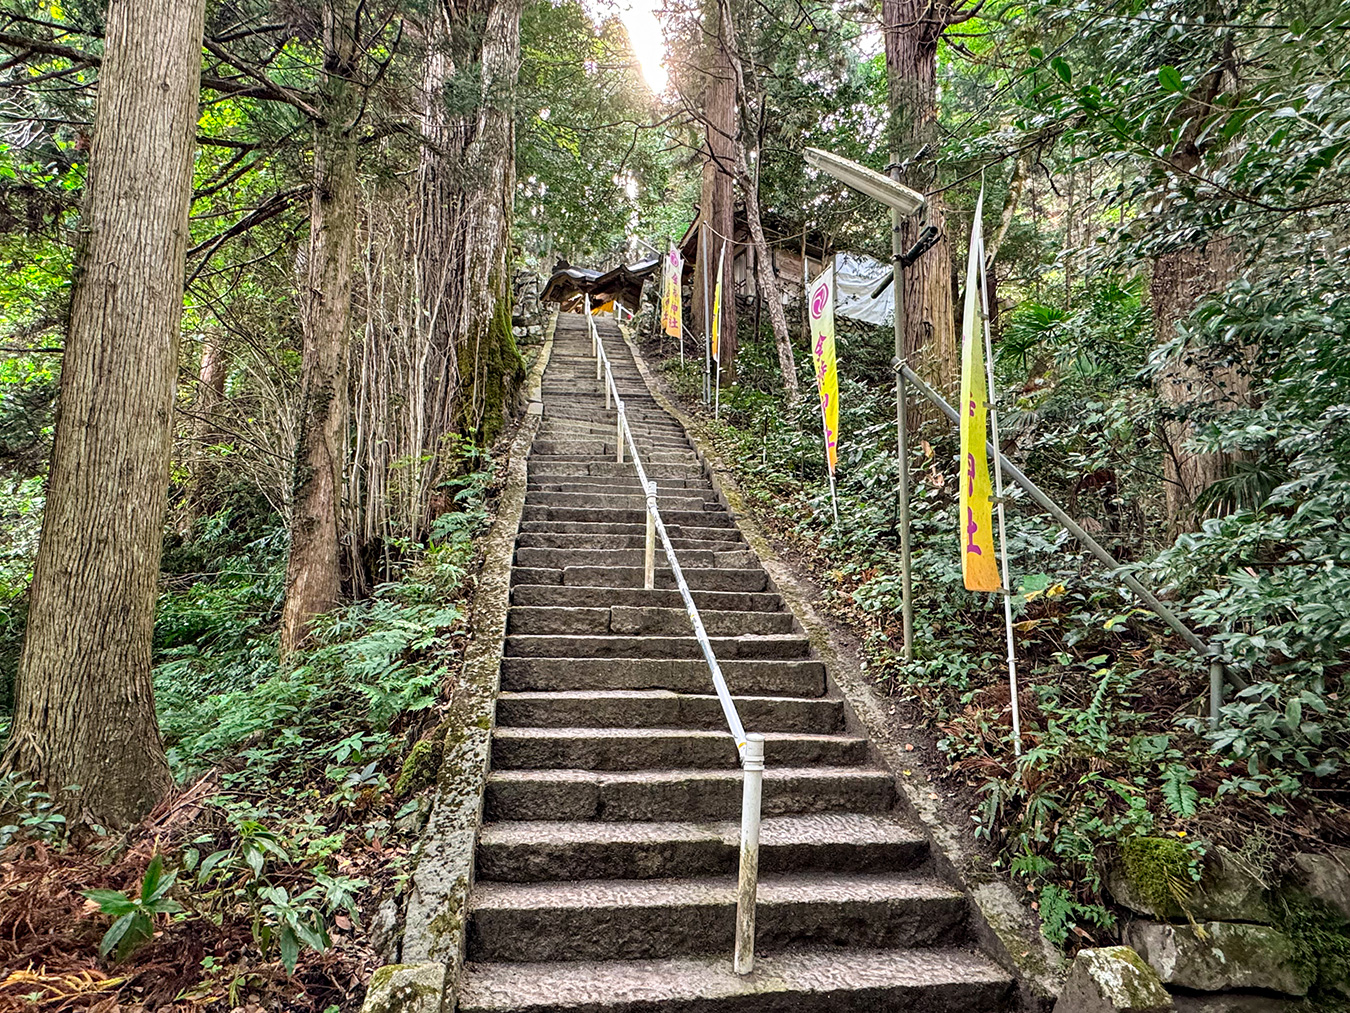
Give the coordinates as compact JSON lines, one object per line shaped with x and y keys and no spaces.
{"x":998,"y":501}
{"x":902,"y":424}
{"x":834,"y":499}
{"x":717,"y":309}
{"x":707,"y":309}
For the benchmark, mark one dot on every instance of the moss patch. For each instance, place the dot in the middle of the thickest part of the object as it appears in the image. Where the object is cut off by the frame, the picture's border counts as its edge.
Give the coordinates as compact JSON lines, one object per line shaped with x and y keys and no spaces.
{"x":1159,"y":871}
{"x":420,"y":767}
{"x":1321,"y":938}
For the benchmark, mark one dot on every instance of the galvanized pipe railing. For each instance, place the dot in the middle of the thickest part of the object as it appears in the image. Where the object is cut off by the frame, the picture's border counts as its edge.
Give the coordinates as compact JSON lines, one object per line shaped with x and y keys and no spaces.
{"x":750,"y":747}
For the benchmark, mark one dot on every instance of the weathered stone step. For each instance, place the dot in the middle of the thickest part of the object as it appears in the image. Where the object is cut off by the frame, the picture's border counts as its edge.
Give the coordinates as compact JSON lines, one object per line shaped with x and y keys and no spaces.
{"x":656,"y":708}
{"x":601,"y":444}
{"x":691,"y":559}
{"x":636,"y":620}
{"x":530,"y":852}
{"x":672,"y":518}
{"x":803,"y":677}
{"x":644,"y":918}
{"x":802,"y":981}
{"x":564,"y":645}
{"x":698,"y":578}
{"x":664,"y":795}
{"x":655,"y":471}
{"x":591,"y":485}
{"x":673,"y":499}
{"x":724,"y":540}
{"x":572,"y":596}
{"x":661,"y":749}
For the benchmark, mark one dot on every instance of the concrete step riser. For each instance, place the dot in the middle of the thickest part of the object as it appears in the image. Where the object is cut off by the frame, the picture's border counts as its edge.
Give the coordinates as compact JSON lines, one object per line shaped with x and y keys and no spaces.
{"x":766,"y":648}
{"x":695,"y":502}
{"x":949,"y":981}
{"x":630,"y":621}
{"x":616,"y":797}
{"x":667,"y":710}
{"x":612,"y":469}
{"x":698,"y":578}
{"x":672,"y":518}
{"x":691,"y":559}
{"x":713,"y":854}
{"x":540,"y":595}
{"x":804,"y":678}
{"x":557,"y":749}
{"x":638,"y":933}
{"x":553,"y":540}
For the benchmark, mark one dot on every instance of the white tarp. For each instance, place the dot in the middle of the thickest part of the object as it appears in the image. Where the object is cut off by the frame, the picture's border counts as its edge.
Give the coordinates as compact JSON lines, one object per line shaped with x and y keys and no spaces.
{"x":856,"y":278}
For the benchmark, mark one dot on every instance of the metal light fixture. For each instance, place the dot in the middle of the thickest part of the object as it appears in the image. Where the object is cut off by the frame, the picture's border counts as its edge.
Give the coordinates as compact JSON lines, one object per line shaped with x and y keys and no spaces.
{"x":868,"y":181}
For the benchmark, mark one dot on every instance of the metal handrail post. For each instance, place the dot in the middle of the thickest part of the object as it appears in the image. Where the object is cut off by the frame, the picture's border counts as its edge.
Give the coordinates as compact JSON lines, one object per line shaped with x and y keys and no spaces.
{"x":649,"y":549}
{"x":609,"y":383}
{"x":749,"y":747}
{"x":752,"y":791}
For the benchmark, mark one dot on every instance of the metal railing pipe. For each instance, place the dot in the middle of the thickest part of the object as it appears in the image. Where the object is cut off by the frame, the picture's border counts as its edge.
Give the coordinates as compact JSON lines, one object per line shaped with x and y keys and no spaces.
{"x":747,"y":886}
{"x":750,"y":748}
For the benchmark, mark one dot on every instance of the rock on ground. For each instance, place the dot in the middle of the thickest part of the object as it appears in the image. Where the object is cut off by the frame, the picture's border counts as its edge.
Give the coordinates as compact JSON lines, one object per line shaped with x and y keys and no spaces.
{"x":1112,"y":979}
{"x":1229,"y":956}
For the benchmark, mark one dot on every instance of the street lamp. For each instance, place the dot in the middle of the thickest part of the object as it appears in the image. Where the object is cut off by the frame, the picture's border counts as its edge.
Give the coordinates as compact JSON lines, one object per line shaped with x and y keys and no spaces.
{"x":903,"y":202}
{"x":869,"y":181}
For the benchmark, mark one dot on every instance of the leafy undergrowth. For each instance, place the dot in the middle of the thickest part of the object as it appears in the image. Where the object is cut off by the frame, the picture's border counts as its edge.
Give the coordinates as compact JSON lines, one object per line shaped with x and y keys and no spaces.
{"x":1116,"y":745}
{"x":259,"y":883}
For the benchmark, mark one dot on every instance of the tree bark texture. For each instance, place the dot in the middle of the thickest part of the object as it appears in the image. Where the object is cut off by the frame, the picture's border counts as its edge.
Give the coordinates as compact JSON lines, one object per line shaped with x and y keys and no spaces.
{"x":766,"y":281}
{"x":717,"y":203}
{"x":912,"y":30}
{"x":206,"y":430}
{"x":437,"y":360}
{"x":313,"y":568}
{"x":1194,"y":384}
{"x":84,"y":701}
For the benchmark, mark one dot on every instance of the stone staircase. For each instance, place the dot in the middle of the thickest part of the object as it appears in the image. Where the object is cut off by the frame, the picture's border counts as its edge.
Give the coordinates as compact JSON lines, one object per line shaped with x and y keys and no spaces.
{"x":606,"y":866}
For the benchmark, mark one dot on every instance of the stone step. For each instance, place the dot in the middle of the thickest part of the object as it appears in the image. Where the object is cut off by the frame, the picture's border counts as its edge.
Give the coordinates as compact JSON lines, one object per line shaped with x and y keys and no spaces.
{"x":770,"y":646}
{"x":645,"y":918}
{"x":698,"y":578}
{"x":656,"y":471}
{"x":571,"y":596}
{"x":658,"y":708}
{"x":682,"y":518}
{"x":639,"y":621}
{"x":661,"y":749}
{"x":681,"y":499}
{"x":804,"y":677}
{"x":663,"y":795}
{"x":601,"y":444}
{"x":624,"y":482}
{"x":530,"y":852}
{"x":803,"y":981}
{"x":576,"y":556}
{"x":726,"y":541}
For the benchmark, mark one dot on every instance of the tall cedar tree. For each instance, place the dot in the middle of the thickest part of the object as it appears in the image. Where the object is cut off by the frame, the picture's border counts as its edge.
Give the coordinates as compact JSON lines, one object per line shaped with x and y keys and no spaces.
{"x":84,"y":701}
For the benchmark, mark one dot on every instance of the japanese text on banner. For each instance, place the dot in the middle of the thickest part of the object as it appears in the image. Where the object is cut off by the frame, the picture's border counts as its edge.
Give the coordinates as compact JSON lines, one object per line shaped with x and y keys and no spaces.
{"x":820,"y":299}
{"x":671,"y":315}
{"x":978,"y":565}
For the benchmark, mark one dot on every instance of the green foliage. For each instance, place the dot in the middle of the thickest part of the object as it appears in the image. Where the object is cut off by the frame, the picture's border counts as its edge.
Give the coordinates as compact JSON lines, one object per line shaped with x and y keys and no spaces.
{"x":1321,"y":937}
{"x":1162,"y":871}
{"x":135,"y":916}
{"x":26,"y":810}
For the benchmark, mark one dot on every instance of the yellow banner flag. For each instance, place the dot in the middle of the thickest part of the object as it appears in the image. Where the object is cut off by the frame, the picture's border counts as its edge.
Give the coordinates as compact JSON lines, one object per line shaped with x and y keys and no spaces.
{"x":671,"y":276}
{"x":820,"y":299}
{"x":717,"y":304}
{"x":978,"y":565}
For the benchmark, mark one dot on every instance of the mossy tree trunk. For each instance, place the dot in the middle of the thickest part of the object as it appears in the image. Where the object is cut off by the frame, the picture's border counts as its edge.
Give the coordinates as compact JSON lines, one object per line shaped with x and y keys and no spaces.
{"x":313,"y":570}
{"x":84,"y":701}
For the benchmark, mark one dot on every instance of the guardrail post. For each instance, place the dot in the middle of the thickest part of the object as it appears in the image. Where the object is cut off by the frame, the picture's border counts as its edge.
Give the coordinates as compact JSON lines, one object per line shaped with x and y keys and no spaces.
{"x":649,"y":555}
{"x":619,"y":420}
{"x":753,"y":786}
{"x":608,"y":403}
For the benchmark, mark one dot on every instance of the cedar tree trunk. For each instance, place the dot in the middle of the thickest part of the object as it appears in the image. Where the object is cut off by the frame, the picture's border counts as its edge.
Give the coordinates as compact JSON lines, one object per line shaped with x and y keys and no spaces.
{"x":84,"y":701}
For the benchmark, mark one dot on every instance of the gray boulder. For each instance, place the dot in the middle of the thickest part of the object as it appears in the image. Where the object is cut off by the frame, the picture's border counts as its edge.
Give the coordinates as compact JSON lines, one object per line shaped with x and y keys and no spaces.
{"x":1230,"y":956}
{"x":1113,"y":979}
{"x":1227,"y":892}
{"x":1326,"y":877}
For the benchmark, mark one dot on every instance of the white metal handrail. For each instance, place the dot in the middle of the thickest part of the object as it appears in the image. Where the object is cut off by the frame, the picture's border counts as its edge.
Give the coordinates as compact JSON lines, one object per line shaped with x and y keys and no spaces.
{"x":750,"y":747}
